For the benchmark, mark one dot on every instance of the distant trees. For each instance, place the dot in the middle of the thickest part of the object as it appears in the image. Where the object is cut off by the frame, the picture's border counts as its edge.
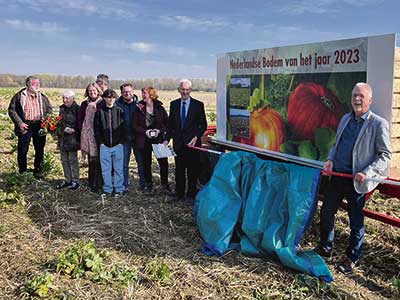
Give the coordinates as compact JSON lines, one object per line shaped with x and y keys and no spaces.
{"x":80,"y":82}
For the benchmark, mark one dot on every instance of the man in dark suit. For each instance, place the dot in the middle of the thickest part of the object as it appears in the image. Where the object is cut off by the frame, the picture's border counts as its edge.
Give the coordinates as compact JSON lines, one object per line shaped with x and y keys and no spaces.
{"x":186,"y":124}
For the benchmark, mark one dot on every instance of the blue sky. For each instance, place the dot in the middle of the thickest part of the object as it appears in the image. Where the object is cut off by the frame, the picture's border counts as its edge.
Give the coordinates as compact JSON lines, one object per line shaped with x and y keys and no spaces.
{"x":155,"y":38}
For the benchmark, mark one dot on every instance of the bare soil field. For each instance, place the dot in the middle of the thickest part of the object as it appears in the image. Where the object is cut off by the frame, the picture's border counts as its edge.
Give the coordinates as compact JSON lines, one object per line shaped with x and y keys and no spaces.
{"x":75,"y":245}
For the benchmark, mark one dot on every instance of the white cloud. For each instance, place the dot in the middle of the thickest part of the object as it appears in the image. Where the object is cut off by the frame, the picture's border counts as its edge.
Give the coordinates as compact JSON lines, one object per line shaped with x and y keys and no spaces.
{"x":299,"y":7}
{"x":142,"y":47}
{"x":362,"y":2}
{"x":105,"y":8}
{"x":175,"y":66}
{"x":180,"y":51}
{"x":35,"y":27}
{"x":184,"y":22}
{"x":276,"y":36}
{"x":86,"y":58}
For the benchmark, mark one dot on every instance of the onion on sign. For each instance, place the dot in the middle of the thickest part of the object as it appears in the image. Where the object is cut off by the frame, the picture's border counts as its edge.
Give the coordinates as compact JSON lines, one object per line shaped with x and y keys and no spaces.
{"x":267,"y":129}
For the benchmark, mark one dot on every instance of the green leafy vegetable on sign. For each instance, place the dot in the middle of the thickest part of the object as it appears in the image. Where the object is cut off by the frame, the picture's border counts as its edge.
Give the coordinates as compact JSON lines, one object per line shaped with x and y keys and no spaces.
{"x":324,"y":140}
{"x":307,"y":150}
{"x":289,"y":147}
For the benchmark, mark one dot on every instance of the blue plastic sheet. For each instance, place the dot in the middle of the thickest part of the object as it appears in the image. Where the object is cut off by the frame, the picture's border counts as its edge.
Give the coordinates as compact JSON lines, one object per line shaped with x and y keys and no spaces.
{"x":265,"y":206}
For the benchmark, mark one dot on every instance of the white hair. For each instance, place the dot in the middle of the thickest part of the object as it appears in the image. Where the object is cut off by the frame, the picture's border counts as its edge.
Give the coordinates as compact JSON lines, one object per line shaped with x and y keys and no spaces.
{"x":68,"y":94}
{"x":182,"y":81}
{"x":366,"y":86}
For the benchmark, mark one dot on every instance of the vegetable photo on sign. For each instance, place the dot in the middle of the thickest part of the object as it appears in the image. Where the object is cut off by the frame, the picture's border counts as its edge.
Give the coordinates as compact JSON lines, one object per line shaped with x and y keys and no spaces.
{"x":266,"y":128}
{"x":296,"y":114}
{"x":312,"y":106}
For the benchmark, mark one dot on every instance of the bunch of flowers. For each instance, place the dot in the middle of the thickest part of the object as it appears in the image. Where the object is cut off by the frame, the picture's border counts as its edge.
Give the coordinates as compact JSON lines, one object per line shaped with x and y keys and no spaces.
{"x":51,"y":125}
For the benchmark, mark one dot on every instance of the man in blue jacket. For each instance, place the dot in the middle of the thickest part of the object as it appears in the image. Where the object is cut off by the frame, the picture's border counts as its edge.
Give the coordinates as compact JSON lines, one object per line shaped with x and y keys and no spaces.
{"x":128,"y":102}
{"x":363,"y":150}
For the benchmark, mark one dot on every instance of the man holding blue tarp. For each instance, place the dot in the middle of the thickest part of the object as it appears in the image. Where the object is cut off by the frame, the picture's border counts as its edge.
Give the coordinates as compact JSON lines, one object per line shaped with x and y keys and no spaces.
{"x":362,"y":149}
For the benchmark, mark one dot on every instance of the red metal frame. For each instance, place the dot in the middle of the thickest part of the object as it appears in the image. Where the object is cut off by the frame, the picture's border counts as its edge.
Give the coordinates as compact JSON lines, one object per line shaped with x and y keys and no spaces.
{"x":211,"y":129}
{"x":386,"y":189}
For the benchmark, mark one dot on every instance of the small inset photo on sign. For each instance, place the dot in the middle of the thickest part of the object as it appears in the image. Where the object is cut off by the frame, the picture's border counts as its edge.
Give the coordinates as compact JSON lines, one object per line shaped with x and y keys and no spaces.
{"x":239,"y":89}
{"x":240,"y":123}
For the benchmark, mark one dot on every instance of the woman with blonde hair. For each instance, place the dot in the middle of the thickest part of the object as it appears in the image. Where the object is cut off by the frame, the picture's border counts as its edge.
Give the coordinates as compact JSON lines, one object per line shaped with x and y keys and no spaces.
{"x":150,"y":121}
{"x":89,"y":147}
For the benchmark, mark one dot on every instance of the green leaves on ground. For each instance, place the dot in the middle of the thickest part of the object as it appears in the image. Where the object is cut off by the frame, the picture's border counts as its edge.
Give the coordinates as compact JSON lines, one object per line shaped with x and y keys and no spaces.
{"x":85,"y":260}
{"x":396,"y":285}
{"x":38,"y":287}
{"x":49,"y":164}
{"x":158,"y":270}
{"x":16,"y":181}
{"x":12,"y":198}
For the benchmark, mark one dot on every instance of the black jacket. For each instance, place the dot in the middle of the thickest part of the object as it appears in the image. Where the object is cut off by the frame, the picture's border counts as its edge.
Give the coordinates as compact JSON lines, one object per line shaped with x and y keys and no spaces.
{"x":195,"y":124}
{"x":139,"y":123}
{"x":105,"y":134}
{"x":69,"y":118}
{"x":17,"y":114}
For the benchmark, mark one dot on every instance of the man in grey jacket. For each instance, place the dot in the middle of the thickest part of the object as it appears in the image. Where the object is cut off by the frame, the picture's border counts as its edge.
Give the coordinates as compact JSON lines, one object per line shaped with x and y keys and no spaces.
{"x":363,"y":150}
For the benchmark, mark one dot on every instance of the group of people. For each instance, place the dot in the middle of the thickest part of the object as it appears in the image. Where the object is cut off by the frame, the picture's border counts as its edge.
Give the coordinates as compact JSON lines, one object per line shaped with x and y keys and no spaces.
{"x":107,"y":128}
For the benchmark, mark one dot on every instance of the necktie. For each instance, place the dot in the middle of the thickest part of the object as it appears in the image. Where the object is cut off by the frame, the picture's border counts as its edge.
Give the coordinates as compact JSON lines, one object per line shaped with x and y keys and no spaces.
{"x":183,"y":113}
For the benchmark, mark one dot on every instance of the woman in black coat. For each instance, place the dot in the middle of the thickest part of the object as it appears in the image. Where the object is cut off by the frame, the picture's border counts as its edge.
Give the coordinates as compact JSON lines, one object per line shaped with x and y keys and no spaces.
{"x":69,"y":140}
{"x":150,"y":121}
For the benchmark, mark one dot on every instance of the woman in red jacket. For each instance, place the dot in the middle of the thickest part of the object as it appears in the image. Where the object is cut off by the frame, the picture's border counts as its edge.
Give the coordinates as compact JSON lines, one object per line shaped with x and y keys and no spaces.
{"x":150,"y":121}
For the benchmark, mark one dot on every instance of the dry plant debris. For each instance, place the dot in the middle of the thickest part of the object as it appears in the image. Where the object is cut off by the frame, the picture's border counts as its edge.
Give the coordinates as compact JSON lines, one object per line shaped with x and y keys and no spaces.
{"x":153,"y":247}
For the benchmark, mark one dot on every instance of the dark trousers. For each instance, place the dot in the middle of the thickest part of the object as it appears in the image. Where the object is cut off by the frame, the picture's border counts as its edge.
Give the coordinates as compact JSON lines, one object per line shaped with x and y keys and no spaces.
{"x":23,"y":147}
{"x":146,"y":154}
{"x":337,"y":189}
{"x":95,"y":177}
{"x":187,"y":161}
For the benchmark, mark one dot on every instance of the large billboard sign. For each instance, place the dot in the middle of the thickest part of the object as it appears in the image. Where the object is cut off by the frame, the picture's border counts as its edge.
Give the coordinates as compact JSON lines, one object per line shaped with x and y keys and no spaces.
{"x":288,"y":101}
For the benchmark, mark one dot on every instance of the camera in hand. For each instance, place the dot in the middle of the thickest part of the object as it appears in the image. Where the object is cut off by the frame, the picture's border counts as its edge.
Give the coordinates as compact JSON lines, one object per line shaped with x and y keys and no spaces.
{"x":153,"y":133}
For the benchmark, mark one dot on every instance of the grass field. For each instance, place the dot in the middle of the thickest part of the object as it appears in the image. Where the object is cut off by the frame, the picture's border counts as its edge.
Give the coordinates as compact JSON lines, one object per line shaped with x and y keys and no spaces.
{"x":147,"y":247}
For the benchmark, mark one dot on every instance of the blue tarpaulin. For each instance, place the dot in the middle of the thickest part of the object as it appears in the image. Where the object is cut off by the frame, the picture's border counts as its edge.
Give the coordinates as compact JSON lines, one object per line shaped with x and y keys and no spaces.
{"x":260,"y":208}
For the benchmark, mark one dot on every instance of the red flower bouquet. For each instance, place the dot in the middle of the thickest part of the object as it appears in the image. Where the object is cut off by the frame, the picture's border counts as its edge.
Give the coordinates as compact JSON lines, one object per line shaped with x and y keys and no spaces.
{"x":51,"y":125}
